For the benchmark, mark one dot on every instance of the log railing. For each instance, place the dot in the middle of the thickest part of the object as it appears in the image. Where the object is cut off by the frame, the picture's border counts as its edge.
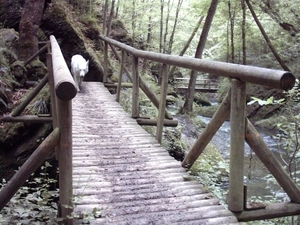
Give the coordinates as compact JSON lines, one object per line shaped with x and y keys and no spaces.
{"x":62,"y":91}
{"x":233,"y":107}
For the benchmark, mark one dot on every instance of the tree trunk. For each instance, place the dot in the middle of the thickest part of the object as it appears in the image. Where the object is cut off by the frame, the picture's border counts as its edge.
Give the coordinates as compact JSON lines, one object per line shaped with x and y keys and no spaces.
{"x":104,"y":16}
{"x":244,"y":32}
{"x":164,"y":48}
{"x":29,"y":26}
{"x":161,"y":25}
{"x":169,"y":51}
{"x":133,"y":24}
{"x":281,"y":62}
{"x":187,"y":43}
{"x":188,"y":104}
{"x":111,"y":15}
{"x":231,"y":20}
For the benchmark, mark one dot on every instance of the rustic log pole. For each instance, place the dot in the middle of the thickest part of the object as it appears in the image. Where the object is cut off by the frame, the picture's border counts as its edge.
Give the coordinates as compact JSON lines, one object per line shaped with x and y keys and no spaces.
{"x":51,"y":87}
{"x":31,"y":96}
{"x":262,"y":151}
{"x":135,"y":90}
{"x":105,"y":75}
{"x":271,"y":211}
{"x":162,"y":102}
{"x":120,"y":76}
{"x":32,"y":163}
{"x":153,"y":122}
{"x":143,"y":86}
{"x":272,"y":78}
{"x":237,"y":146}
{"x":207,"y":134}
{"x":65,"y":90}
{"x":64,"y":109}
{"x":64,"y":84}
{"x":27,"y":119}
{"x":115,"y":85}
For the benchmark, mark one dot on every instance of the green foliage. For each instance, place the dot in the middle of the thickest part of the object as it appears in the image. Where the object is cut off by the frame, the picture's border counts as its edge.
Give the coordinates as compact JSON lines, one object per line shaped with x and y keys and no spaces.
{"x":89,"y":20}
{"x":36,"y":203}
{"x":212,"y":171}
{"x":33,"y":203}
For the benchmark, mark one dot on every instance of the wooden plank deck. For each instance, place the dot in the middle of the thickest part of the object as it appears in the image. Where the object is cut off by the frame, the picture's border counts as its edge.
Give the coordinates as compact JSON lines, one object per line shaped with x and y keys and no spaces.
{"x":121,"y":170}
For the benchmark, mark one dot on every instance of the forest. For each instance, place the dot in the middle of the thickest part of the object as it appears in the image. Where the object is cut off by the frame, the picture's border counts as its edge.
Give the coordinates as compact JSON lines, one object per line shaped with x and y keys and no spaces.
{"x":258,"y":33}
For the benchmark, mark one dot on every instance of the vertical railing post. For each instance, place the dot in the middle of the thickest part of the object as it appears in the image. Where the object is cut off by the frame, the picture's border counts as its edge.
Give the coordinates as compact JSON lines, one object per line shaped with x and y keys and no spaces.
{"x":162,"y":103}
{"x":105,"y":66}
{"x":136,"y":85}
{"x":64,"y":109}
{"x":120,"y":76}
{"x":237,"y":145}
{"x":52,"y":92}
{"x":65,"y":91}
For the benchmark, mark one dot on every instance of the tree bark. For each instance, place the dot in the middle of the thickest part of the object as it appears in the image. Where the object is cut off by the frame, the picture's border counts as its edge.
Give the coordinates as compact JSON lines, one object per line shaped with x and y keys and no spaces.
{"x":276,"y":55}
{"x":169,"y":51}
{"x":231,"y":20}
{"x":29,"y":26}
{"x":187,"y":43}
{"x":161,"y":25}
{"x":244,"y":32}
{"x":188,"y":104}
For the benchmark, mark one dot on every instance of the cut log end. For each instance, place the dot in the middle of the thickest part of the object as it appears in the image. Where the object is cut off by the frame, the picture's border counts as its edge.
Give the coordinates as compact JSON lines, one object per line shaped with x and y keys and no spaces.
{"x":287,"y":81}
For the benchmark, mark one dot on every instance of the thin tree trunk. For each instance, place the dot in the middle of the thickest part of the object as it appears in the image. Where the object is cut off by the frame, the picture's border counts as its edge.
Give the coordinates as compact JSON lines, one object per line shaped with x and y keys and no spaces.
{"x":244,"y":32}
{"x":161,"y":25}
{"x":104,"y":17}
{"x":188,"y":104}
{"x":231,"y":19}
{"x":169,"y":51}
{"x":29,"y":27}
{"x":187,"y":43}
{"x":133,"y":22}
{"x":111,"y":15}
{"x":166,"y":28}
{"x":117,"y":9}
{"x":278,"y":58}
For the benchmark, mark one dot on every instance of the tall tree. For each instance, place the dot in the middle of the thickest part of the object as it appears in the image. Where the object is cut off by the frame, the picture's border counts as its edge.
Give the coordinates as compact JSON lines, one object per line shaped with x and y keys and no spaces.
{"x":187,"y":44}
{"x":276,"y":55}
{"x":244,"y":31}
{"x":166,"y":26}
{"x":169,"y":51}
{"x":29,"y":27}
{"x":161,"y":25}
{"x":133,"y":22}
{"x":188,"y":104}
{"x":231,"y":24}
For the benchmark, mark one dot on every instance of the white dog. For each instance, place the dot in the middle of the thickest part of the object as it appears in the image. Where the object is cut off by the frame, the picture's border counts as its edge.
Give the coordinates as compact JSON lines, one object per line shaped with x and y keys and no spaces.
{"x":79,"y":67}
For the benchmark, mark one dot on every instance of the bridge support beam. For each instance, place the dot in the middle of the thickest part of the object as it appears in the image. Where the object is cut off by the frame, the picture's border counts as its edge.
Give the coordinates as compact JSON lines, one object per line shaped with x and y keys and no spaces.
{"x":271,"y":211}
{"x":237,"y":145}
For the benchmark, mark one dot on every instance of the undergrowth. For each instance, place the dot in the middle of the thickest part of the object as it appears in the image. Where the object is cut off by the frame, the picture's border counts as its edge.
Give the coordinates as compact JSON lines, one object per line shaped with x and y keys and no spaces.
{"x":35,"y":203}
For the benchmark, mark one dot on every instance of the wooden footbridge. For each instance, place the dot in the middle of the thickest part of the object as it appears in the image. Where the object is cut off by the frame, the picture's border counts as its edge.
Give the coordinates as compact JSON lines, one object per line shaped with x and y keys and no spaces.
{"x":114,"y":172}
{"x":122,"y":171}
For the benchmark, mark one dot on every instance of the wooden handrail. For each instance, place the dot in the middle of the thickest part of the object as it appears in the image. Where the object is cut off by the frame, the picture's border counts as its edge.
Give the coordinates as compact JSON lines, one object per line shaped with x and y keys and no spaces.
{"x":63,"y":81}
{"x":251,"y":74}
{"x":233,"y":106}
{"x":65,"y":91}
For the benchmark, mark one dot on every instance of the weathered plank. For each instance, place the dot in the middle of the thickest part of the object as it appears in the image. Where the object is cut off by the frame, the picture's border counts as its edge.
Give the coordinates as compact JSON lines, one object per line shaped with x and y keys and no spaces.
{"x":121,"y":170}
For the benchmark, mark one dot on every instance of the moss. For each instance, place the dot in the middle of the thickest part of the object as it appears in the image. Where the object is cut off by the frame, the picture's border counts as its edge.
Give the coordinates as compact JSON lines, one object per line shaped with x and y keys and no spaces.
{"x":210,"y":161}
{"x":36,"y":69}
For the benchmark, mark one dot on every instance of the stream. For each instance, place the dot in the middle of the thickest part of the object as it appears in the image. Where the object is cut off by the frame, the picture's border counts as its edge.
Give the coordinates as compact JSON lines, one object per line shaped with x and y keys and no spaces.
{"x":260,"y":184}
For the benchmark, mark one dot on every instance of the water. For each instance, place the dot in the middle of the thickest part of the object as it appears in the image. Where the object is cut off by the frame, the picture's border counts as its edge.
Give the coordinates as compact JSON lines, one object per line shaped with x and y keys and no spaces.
{"x":257,"y":177}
